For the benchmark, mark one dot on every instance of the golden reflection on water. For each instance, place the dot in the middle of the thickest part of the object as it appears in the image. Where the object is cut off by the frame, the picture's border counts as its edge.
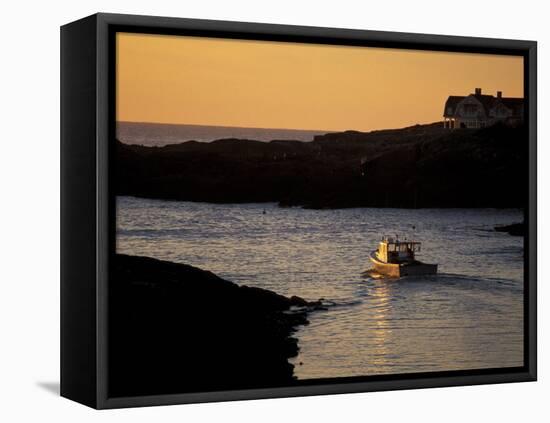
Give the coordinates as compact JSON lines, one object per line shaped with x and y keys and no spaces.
{"x":381,"y":331}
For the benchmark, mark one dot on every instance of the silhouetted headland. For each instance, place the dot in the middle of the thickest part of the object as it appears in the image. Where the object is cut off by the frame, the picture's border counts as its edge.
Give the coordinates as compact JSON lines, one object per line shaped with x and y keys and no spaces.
{"x":175,"y":328}
{"x":415,"y":167}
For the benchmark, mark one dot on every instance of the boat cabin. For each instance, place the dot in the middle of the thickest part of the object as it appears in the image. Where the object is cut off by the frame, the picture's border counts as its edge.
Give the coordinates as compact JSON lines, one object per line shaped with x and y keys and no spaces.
{"x":395,"y":251}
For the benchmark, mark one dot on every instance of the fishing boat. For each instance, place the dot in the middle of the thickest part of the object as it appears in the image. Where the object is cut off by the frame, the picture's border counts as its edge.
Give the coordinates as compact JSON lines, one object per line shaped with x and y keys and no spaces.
{"x":395,"y":258}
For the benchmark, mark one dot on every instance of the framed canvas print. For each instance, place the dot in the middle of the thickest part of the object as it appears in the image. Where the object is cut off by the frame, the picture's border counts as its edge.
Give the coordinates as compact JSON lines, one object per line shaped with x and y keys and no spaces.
{"x":254,"y":211}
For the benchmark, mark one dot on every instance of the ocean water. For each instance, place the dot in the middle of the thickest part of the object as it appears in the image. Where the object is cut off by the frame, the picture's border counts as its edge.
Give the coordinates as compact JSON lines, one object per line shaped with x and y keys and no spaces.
{"x":469,"y":316}
{"x":157,"y":134}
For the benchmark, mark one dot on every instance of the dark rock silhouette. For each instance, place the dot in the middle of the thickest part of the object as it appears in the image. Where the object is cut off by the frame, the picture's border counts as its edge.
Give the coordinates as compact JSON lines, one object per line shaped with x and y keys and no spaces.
{"x":175,"y":328}
{"x":515,"y":229}
{"x":419,"y":166}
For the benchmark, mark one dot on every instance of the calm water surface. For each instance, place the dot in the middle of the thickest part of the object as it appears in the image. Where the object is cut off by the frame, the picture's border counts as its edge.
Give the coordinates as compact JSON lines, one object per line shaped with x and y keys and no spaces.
{"x":469,"y":316}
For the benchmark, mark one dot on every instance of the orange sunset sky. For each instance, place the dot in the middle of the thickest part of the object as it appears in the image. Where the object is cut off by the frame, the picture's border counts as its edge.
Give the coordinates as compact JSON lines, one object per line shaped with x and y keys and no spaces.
{"x":208,"y":81}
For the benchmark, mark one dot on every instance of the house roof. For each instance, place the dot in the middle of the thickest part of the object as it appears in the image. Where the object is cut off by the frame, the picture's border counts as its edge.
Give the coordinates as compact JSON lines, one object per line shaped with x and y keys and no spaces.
{"x":487,"y":101}
{"x":451,"y":103}
{"x":512,"y":101}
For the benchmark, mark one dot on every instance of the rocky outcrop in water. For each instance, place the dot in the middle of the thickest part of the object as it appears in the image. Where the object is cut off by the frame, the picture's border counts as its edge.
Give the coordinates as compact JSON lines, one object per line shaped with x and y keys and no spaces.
{"x":515,"y":229}
{"x":175,"y":328}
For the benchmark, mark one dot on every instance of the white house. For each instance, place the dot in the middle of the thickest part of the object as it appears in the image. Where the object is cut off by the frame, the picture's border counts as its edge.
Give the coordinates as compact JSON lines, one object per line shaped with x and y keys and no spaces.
{"x":480,"y":110}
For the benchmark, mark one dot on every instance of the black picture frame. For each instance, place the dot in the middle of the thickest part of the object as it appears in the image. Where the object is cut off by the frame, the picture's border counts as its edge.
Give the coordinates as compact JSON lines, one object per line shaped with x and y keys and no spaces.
{"x":87,"y":204}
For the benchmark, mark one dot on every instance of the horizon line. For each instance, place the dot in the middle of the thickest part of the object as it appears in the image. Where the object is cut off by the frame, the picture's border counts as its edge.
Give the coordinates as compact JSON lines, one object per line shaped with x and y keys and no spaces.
{"x":229,"y":126}
{"x":323,"y":131}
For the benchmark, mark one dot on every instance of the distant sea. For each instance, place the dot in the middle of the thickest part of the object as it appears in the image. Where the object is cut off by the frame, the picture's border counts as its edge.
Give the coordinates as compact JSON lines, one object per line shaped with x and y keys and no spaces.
{"x":159,"y":134}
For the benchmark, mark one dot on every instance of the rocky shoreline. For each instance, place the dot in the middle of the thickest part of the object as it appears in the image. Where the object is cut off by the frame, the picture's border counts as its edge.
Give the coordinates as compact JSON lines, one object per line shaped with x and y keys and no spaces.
{"x":176,"y":328}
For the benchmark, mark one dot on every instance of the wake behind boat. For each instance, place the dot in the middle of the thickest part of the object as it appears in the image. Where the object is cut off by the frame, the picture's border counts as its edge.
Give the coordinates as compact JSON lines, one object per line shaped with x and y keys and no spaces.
{"x":395,"y":258}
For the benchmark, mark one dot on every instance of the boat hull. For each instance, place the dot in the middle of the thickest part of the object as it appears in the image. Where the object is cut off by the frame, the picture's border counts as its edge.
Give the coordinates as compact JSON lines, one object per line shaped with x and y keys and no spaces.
{"x":397,"y":270}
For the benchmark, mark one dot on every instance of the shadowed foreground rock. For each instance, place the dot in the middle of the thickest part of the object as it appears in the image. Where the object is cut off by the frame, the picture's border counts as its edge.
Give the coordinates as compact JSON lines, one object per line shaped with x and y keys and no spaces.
{"x":175,"y":328}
